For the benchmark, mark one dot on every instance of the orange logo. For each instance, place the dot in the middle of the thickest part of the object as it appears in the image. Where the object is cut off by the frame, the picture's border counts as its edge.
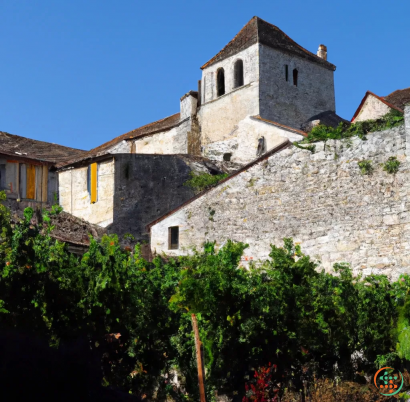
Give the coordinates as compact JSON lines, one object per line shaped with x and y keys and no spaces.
{"x":388,"y":381}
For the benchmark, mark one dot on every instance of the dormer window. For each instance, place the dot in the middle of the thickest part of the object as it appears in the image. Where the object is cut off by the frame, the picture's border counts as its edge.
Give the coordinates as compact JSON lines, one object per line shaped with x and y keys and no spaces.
{"x":238,"y":73}
{"x":220,"y":82}
{"x":295,"y":77}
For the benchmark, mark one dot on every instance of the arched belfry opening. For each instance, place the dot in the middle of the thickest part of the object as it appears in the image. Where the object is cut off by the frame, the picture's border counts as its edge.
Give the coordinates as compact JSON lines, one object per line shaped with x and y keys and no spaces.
{"x":220,"y":82}
{"x":295,"y":77}
{"x":238,"y":73}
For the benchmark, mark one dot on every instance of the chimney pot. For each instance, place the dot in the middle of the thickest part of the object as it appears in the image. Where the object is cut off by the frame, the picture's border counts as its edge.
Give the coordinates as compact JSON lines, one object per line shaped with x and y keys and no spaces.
{"x":322,"y":52}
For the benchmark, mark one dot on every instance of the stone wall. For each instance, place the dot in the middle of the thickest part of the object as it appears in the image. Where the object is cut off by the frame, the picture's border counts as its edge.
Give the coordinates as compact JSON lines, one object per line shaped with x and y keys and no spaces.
{"x":319,"y":199}
{"x":285,"y":103}
{"x":243,"y":143}
{"x":174,"y":141}
{"x":148,"y":186}
{"x":372,"y":109}
{"x":218,"y":116}
{"x":75,"y":198}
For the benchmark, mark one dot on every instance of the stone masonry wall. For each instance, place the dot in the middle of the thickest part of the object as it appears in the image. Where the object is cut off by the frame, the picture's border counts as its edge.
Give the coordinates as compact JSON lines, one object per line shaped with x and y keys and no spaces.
{"x":75,"y":198}
{"x":244,"y":141}
{"x":285,"y":103}
{"x":319,"y":199}
{"x":372,"y":108}
{"x":218,"y":116}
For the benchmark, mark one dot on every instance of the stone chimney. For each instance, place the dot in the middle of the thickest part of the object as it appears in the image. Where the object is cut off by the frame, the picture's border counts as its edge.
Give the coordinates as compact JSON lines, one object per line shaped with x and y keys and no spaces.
{"x":188,"y":104}
{"x":322,"y":52}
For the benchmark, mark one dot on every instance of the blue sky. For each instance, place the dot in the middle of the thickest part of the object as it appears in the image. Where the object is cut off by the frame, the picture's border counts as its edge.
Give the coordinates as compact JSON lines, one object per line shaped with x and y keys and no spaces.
{"x":82,"y":72}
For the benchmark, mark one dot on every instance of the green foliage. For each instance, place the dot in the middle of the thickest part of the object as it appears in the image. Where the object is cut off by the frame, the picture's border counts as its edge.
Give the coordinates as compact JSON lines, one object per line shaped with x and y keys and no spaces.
{"x":201,"y":181}
{"x":311,"y":148}
{"x":137,"y":314}
{"x":360,"y":129}
{"x":392,"y":165}
{"x":366,"y":167}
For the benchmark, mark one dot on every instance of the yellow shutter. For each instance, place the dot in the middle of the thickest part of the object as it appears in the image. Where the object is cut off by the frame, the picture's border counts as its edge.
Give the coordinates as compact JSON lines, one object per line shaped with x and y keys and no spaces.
{"x":93,"y":183}
{"x":31,"y":182}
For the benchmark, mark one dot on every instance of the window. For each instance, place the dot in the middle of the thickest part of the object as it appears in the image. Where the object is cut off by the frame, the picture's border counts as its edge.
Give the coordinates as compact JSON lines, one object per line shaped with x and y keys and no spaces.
{"x":238,"y":73}
{"x":220,"y":82}
{"x":295,"y":77}
{"x":227,"y":157}
{"x":92,"y":186}
{"x":286,"y":72}
{"x":173,"y":238}
{"x":3,"y":176}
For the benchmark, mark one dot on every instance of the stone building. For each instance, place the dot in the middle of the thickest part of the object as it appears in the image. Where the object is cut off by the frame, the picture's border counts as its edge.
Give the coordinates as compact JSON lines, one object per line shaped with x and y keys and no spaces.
{"x":123,"y":192}
{"x":373,"y":107}
{"x":28,"y":169}
{"x":319,"y":199}
{"x":259,"y":89}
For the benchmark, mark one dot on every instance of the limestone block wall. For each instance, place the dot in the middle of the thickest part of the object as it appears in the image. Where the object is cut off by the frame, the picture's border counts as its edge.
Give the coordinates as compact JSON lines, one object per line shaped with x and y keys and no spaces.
{"x":243,"y":142}
{"x":372,"y":108}
{"x":281,"y":100}
{"x":319,"y":199}
{"x":75,"y":198}
{"x":218,"y":116}
{"x":174,"y":141}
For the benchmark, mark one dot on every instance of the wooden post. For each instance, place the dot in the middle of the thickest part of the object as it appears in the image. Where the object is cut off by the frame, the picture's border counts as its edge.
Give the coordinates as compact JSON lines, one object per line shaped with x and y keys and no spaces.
{"x":199,"y":359}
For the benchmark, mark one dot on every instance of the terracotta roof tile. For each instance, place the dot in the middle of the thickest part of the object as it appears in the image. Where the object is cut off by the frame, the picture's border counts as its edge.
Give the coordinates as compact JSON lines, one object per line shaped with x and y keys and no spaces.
{"x":399,"y":98}
{"x":258,"y":30}
{"x":15,"y":145}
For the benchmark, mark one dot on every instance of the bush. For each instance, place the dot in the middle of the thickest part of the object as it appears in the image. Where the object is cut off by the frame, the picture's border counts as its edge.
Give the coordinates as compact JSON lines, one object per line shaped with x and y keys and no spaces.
{"x":366,"y":167}
{"x":136,"y":315}
{"x":360,"y":129}
{"x":202,"y":181}
{"x":392,"y":165}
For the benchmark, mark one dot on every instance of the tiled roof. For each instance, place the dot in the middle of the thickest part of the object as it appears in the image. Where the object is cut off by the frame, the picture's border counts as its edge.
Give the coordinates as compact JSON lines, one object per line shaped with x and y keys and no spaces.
{"x":152,"y":128}
{"x":258,"y":30}
{"x":399,"y":98}
{"x":14,"y":145}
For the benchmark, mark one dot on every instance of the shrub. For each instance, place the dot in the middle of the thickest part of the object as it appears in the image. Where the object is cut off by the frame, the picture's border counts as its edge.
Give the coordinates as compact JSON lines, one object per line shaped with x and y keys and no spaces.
{"x":202,"y":181}
{"x":366,"y":167}
{"x":392,"y":165}
{"x":360,"y":129}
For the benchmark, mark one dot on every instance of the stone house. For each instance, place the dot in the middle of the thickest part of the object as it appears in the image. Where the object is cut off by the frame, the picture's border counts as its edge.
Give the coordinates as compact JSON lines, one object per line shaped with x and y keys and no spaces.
{"x":322,"y":201}
{"x":373,"y":106}
{"x":28,"y":169}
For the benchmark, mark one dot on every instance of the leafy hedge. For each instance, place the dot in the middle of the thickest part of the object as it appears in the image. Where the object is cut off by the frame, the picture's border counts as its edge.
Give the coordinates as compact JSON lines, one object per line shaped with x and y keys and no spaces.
{"x":136,"y":314}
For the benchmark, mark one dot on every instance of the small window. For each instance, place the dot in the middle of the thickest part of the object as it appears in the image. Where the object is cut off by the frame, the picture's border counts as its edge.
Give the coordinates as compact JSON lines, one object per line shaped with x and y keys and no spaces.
{"x":238,"y":73}
{"x":295,"y":77}
{"x":220,"y":82}
{"x":173,"y":238}
{"x":227,"y":157}
{"x":286,"y":72}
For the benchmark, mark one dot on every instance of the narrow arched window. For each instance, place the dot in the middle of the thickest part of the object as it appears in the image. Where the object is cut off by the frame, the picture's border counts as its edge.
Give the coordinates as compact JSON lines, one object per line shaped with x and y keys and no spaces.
{"x":286,"y":72}
{"x":238,"y":73}
{"x":295,"y":77}
{"x":220,"y":82}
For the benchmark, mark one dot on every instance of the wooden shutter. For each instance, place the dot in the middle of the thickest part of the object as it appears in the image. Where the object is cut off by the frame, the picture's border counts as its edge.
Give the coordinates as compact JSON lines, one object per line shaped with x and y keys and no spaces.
{"x":93,"y":183}
{"x":31,"y":182}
